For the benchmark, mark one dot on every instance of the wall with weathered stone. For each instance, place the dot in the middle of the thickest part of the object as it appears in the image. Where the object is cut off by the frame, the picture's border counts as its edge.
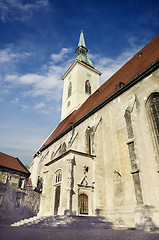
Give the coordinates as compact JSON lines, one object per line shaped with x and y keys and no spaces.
{"x":18,"y":203}
{"x":124,"y":172}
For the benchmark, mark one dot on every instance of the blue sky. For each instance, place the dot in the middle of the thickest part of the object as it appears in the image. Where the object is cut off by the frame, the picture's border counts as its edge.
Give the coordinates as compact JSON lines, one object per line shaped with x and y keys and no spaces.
{"x":38,"y":39}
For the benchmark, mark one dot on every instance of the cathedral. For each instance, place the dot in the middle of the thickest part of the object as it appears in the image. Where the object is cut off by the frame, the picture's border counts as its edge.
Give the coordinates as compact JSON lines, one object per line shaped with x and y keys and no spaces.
{"x":103,"y":157}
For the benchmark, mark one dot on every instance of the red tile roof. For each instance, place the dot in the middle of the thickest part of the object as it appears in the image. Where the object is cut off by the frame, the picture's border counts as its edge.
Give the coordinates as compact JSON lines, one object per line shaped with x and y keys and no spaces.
{"x":134,"y":67}
{"x":13,"y":163}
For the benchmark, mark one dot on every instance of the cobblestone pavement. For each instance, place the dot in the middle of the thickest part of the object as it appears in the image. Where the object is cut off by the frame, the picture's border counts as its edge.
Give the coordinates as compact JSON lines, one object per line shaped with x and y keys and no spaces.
{"x":26,"y":233}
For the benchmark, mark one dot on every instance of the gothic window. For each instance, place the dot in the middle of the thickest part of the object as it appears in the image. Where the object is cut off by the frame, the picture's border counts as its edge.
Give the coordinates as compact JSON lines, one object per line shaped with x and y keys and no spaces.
{"x":58,"y":176}
{"x":69,"y":89}
{"x":63,"y":147}
{"x":153,"y":111}
{"x":87,"y":87}
{"x":88,"y":140}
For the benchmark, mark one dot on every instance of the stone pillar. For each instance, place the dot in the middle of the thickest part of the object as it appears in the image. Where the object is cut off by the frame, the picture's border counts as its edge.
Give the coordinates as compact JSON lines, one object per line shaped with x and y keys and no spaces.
{"x":133,"y":158}
{"x":35,"y":171}
{"x":142,"y":213}
{"x":69,"y":185}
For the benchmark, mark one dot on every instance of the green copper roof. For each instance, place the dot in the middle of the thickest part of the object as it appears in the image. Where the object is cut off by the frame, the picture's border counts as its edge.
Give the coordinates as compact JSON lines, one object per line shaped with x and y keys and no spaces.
{"x":81,"y":51}
{"x":81,"y":40}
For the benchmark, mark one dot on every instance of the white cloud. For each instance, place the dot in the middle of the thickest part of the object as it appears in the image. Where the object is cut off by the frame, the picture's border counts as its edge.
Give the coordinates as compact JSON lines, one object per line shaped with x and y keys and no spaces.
{"x":108,"y":66}
{"x":7,"y":55}
{"x":11,"y":77}
{"x":15,"y":101}
{"x":61,"y":55}
{"x":30,"y":79}
{"x":39,"y":106}
{"x":24,"y":107}
{"x":47,"y":83}
{"x":19,"y":10}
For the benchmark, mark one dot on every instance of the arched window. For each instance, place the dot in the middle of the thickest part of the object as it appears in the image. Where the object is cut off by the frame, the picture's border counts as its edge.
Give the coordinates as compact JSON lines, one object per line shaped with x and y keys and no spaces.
{"x":69,"y":89}
{"x":58,"y":176}
{"x":87,"y":87}
{"x":153,"y":111}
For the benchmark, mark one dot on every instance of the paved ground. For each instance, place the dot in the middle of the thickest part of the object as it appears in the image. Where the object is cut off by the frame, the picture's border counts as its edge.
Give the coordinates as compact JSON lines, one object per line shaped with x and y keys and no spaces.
{"x":26,"y":233}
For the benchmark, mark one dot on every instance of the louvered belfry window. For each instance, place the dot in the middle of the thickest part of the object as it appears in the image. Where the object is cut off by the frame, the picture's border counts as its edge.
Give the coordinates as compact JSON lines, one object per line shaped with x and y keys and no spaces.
{"x":87,"y":87}
{"x":69,"y":89}
{"x":153,"y":108}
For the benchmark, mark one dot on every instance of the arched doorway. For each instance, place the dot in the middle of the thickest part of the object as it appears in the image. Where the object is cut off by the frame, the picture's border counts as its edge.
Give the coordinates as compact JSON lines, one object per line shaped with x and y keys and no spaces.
{"x":57,"y":199}
{"x":83,"y":204}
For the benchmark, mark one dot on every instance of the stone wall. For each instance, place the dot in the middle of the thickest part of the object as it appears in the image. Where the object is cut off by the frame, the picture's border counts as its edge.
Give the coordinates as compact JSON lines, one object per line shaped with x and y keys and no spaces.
{"x":17,"y":204}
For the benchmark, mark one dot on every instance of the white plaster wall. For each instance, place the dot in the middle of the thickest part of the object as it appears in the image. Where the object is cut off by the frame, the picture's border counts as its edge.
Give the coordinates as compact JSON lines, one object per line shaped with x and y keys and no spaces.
{"x":35,"y":171}
{"x":79,"y":74}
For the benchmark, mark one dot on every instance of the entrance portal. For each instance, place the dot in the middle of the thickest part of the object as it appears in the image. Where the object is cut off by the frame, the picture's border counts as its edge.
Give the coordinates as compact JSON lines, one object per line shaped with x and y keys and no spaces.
{"x":57,"y":199}
{"x":83,"y":204}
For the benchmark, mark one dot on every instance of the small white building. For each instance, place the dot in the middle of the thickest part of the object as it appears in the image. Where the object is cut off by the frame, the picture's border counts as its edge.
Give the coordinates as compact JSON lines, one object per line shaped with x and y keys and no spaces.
{"x":103,"y":157}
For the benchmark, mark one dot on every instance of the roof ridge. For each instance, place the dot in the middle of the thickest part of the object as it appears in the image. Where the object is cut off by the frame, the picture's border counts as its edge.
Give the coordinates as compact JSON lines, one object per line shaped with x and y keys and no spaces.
{"x":13,"y":163}
{"x":141,"y":61}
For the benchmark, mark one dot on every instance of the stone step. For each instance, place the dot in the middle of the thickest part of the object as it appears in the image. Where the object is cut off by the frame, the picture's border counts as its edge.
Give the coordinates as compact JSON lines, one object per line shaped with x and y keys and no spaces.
{"x":65,"y":222}
{"x":24,"y":221}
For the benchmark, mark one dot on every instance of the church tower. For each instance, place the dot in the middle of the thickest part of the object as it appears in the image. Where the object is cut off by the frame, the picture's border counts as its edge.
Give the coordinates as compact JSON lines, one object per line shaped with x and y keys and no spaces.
{"x":80,"y":80}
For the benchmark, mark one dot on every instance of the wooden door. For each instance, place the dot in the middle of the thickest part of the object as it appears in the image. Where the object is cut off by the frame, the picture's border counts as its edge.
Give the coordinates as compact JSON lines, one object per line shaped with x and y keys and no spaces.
{"x":83,"y":203}
{"x":57,"y":199}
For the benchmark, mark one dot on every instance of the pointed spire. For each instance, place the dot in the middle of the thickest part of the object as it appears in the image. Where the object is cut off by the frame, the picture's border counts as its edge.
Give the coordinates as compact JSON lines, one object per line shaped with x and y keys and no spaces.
{"x":81,"y":40}
{"x":81,"y":51}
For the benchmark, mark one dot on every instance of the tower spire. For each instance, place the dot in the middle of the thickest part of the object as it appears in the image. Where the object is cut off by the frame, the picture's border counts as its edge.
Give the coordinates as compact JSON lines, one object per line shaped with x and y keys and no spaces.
{"x":80,"y":80}
{"x":81,"y":40}
{"x":81,"y":51}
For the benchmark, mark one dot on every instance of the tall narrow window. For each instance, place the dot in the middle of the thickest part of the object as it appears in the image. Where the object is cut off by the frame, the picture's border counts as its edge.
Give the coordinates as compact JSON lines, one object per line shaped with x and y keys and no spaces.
{"x":69,"y":89}
{"x":57,"y":199}
{"x":58,"y":176}
{"x":63,"y":147}
{"x":87,"y":87}
{"x":153,"y":110}
{"x":20,"y":182}
{"x":88,"y":140}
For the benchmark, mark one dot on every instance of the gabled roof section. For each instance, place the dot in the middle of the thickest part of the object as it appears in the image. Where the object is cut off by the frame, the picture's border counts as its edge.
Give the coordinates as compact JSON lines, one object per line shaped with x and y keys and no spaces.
{"x":68,"y":152}
{"x":9,"y":162}
{"x":59,"y":129}
{"x":119,"y":82}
